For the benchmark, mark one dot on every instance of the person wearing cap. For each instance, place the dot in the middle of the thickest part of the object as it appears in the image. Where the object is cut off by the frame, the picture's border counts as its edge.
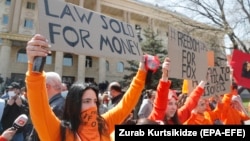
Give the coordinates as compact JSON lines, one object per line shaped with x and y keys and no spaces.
{"x":165,"y":103}
{"x":11,"y":90}
{"x":15,"y":106}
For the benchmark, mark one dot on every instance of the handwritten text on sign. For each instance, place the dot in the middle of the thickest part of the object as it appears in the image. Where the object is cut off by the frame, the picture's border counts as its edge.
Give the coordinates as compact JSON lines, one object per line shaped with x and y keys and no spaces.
{"x":218,"y":82}
{"x":188,"y":56}
{"x":71,"y":28}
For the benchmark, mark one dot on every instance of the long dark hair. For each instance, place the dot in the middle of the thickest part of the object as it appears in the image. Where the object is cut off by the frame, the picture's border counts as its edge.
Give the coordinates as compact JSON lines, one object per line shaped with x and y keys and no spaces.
{"x":174,"y":119}
{"x":72,"y":112}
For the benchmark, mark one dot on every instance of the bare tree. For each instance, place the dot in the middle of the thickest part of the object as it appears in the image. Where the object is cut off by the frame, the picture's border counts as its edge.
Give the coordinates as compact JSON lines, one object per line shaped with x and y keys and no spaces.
{"x":231,"y":18}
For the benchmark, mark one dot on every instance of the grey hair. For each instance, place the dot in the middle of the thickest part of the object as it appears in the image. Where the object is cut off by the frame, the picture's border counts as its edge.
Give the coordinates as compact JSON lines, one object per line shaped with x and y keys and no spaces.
{"x":54,"y":79}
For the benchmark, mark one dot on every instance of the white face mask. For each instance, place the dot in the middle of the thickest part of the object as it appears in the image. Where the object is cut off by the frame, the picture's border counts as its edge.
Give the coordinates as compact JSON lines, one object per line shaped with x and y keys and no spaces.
{"x":109,"y":94}
{"x":64,"y":93}
{"x":11,"y":94}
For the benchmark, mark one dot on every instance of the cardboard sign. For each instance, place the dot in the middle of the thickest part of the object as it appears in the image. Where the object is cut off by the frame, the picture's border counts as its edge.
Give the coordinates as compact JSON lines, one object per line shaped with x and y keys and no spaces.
{"x":210,"y":58}
{"x":71,"y":28}
{"x":188,"y":56}
{"x":218,"y":83}
{"x":241,"y":68}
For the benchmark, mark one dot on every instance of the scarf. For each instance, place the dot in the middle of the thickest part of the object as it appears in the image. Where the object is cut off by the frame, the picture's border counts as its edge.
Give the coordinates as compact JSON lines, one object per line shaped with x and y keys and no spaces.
{"x":88,"y":130}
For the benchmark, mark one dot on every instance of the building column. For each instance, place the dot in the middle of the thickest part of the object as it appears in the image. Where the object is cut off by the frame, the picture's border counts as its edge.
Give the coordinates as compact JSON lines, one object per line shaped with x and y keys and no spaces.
{"x":5,"y":53}
{"x":81,"y":3}
{"x":59,"y":63}
{"x":102,"y":69}
{"x":126,"y":16}
{"x":102,"y":66}
{"x":17,"y":7}
{"x":98,"y":6}
{"x":81,"y":68}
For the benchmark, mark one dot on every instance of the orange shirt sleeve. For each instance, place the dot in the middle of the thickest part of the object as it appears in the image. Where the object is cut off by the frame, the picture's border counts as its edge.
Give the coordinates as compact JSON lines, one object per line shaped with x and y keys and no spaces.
{"x":215,"y":114}
{"x":184,"y":112}
{"x":117,"y":114}
{"x":44,"y":120}
{"x":3,"y":139}
{"x":160,"y":102}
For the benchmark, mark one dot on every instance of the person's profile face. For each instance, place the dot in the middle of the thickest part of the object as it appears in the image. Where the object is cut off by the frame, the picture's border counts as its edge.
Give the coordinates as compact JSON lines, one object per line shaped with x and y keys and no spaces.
{"x":248,"y":67}
{"x":89,"y":99}
{"x":236,"y":105}
{"x":201,"y":106}
{"x":171,"y":107}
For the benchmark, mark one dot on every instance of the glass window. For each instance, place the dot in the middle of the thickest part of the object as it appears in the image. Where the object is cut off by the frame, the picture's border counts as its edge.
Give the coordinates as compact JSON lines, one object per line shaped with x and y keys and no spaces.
{"x":67,"y":60}
{"x":22,"y":56}
{"x":120,"y":67}
{"x":30,"y":5}
{"x":7,"y":2}
{"x":5,"y":19}
{"x":28,"y":23}
{"x":107,"y":66}
{"x":49,"y":59}
{"x":88,"y":63}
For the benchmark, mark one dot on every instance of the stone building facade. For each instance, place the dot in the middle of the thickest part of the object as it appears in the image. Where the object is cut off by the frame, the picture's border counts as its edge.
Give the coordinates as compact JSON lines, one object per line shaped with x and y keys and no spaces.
{"x":18,"y":24}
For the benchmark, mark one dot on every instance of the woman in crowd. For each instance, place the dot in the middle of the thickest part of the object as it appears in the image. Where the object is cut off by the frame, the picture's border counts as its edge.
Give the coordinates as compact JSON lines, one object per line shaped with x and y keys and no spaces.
{"x":81,"y":119}
{"x":233,"y":112}
{"x":165,"y":104}
{"x":147,"y":104}
{"x":203,"y":115}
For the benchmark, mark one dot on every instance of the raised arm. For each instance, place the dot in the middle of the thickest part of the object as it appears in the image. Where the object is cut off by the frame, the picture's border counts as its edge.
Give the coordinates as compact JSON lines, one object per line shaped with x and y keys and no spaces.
{"x":117,"y":114}
{"x":41,"y":114}
{"x":185,"y":111}
{"x":161,"y":98}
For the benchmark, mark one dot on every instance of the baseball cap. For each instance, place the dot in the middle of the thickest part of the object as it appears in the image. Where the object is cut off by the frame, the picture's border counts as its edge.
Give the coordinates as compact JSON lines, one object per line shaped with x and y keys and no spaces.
{"x":14,"y":85}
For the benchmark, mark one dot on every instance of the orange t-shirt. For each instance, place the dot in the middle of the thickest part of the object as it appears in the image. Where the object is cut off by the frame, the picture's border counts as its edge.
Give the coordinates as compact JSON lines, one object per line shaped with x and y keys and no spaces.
{"x":48,"y":125}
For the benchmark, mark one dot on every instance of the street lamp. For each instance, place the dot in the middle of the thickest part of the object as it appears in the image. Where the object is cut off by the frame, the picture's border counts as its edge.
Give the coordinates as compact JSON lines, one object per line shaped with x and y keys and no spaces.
{"x":138,"y":32}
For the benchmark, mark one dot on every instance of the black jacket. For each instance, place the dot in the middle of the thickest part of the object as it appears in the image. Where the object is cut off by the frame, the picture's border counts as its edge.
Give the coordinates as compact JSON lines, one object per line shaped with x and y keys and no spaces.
{"x":57,"y":103}
{"x":11,"y":112}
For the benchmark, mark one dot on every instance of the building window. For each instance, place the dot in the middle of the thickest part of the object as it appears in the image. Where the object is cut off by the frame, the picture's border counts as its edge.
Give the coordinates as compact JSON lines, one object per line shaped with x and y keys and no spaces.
{"x":120,"y":67}
{"x":22,"y":56}
{"x":7,"y":2}
{"x":5,"y":19}
{"x":17,"y":77}
{"x":88,"y":63}
{"x":69,"y":80}
{"x":67,"y":60}
{"x":107,"y":66}
{"x":28,"y":23}
{"x":30,"y":5}
{"x":89,"y":80}
{"x":49,"y":59}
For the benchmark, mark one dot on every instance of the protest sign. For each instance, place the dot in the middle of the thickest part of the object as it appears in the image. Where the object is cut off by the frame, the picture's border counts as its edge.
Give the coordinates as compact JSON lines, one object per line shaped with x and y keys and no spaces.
{"x":188,"y":56}
{"x":74,"y":29}
{"x":241,"y":68}
{"x":218,"y":81}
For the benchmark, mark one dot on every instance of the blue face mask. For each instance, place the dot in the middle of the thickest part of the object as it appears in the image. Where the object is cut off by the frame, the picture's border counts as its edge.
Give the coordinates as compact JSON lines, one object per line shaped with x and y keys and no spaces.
{"x":64,"y":93}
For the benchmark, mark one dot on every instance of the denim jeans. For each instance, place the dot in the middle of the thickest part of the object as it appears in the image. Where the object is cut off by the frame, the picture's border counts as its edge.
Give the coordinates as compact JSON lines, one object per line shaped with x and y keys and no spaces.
{"x":18,"y":137}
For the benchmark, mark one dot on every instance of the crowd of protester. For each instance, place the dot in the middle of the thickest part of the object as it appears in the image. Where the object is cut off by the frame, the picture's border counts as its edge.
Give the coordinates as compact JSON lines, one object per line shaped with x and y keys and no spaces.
{"x":88,"y":112}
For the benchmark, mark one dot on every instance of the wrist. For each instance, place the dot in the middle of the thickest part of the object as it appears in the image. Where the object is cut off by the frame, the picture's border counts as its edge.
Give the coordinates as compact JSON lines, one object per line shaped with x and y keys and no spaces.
{"x":202,"y":84}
